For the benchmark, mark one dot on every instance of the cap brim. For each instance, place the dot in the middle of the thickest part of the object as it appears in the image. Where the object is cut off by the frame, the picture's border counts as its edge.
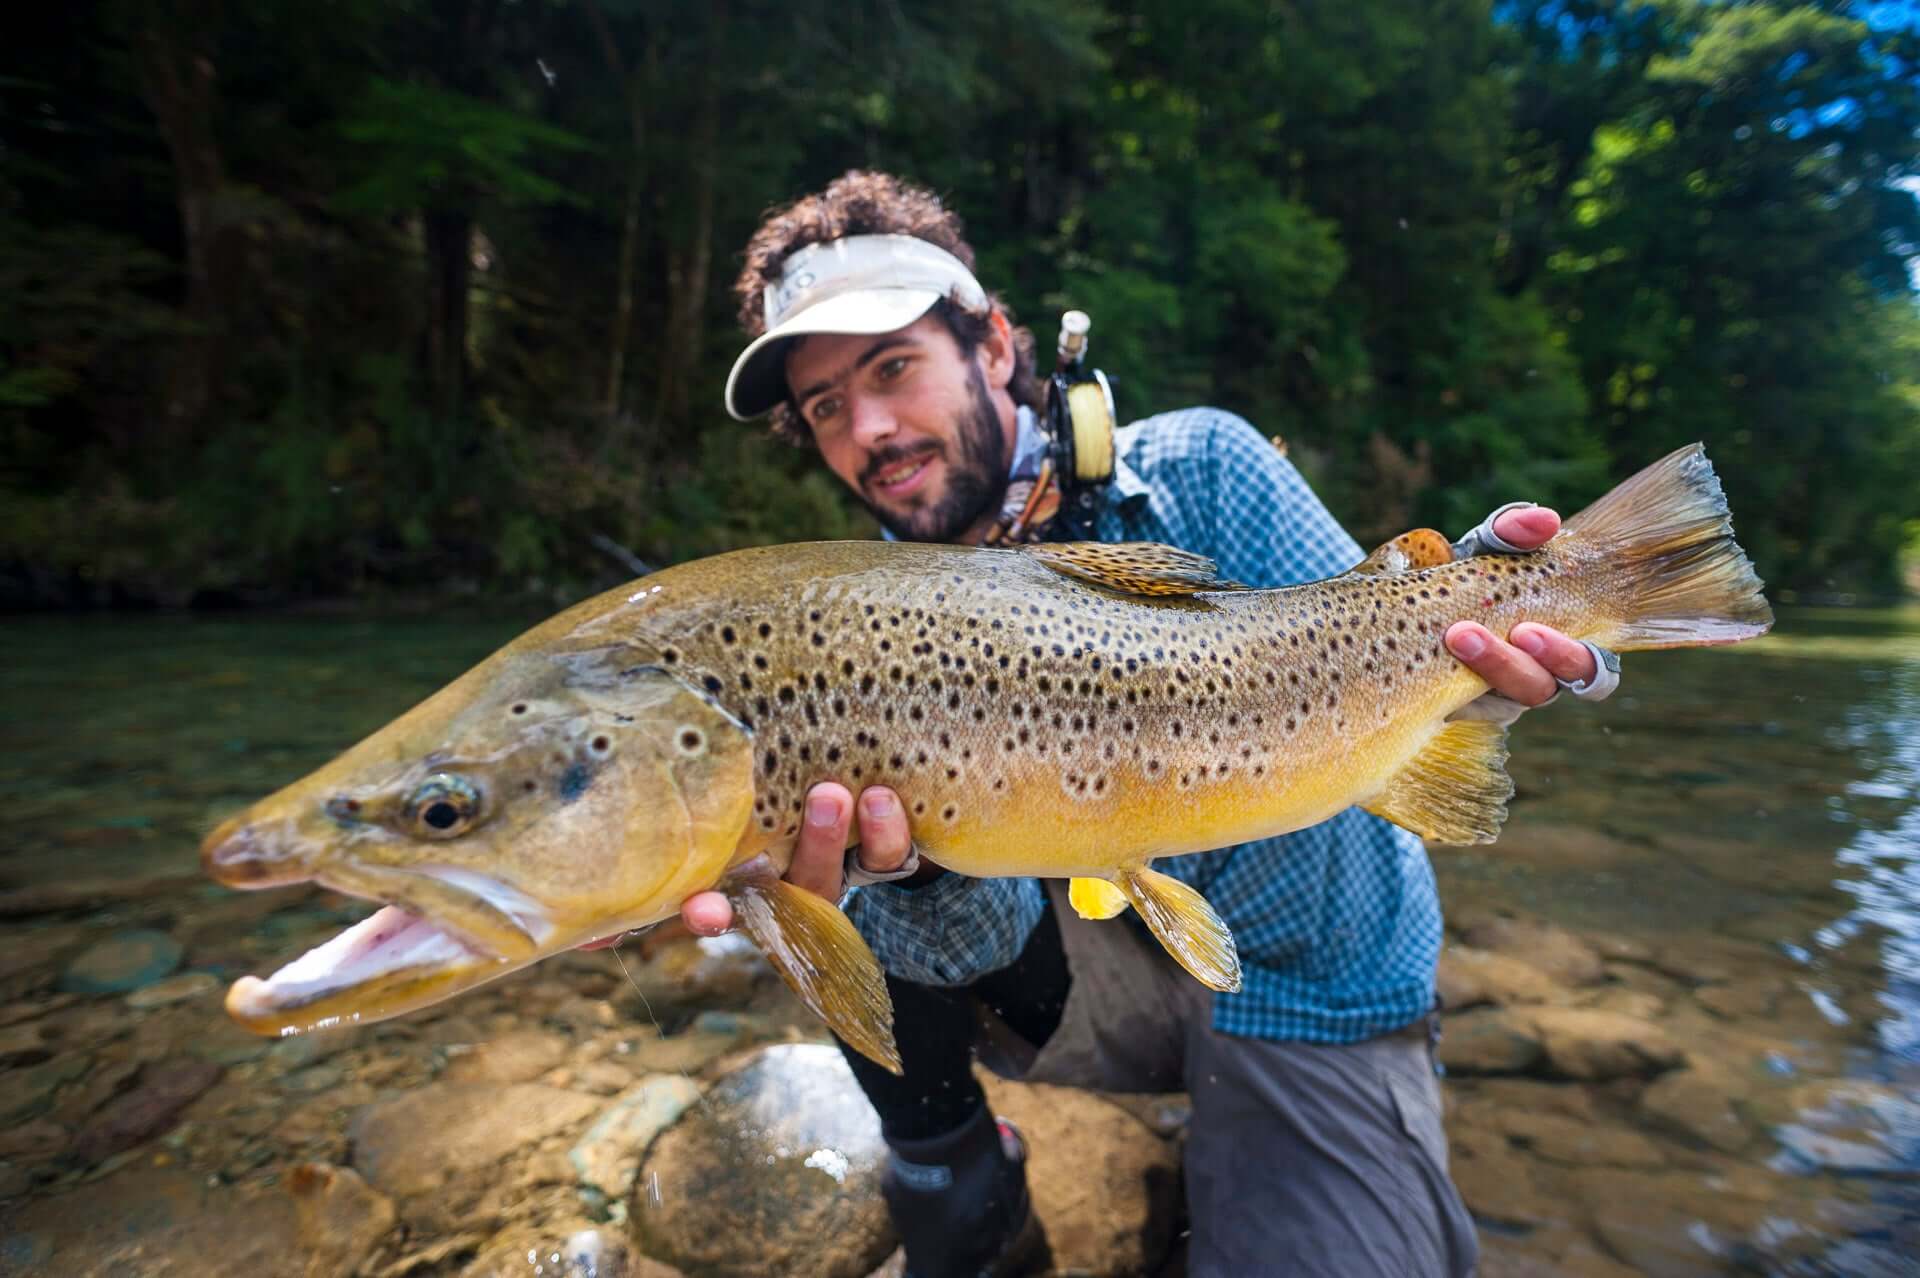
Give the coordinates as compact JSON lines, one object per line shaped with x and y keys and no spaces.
{"x":758,"y":382}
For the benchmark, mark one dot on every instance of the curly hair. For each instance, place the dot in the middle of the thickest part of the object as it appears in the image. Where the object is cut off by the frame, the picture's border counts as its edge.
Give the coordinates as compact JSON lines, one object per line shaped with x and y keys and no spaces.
{"x":865,"y":203}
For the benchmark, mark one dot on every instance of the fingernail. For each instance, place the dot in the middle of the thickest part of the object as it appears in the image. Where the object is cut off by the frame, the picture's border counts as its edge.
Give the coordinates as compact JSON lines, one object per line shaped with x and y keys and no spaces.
{"x":822,"y":811}
{"x":878,"y":805}
{"x":1531,"y":642}
{"x":1469,"y":644}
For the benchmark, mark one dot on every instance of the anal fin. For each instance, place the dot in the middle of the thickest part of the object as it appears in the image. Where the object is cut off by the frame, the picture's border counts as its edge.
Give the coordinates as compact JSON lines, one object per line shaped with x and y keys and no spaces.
{"x":822,"y":958}
{"x":1095,"y":898}
{"x":1456,"y":789}
{"x":1183,"y":922}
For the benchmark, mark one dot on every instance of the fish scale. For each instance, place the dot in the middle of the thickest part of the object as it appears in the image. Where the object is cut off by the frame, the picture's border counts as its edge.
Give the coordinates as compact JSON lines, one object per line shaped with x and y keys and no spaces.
{"x":1067,"y":711}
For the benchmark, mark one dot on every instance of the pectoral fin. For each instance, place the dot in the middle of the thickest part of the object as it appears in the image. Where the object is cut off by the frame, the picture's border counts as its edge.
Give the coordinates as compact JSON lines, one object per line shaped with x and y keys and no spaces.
{"x":1095,"y":898}
{"x":1133,"y":567}
{"x":822,"y":958}
{"x":1183,"y":921}
{"x":1456,"y":789}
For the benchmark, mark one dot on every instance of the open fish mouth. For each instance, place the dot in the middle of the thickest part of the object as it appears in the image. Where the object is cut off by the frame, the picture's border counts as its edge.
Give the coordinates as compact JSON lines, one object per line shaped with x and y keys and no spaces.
{"x":395,"y":960}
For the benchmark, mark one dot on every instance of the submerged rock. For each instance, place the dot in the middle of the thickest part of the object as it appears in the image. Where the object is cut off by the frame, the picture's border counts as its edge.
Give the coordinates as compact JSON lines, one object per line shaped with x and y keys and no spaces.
{"x":1547,"y":947}
{"x":451,"y":1153}
{"x":150,"y":1108}
{"x":156,"y":1223}
{"x":1468,"y":977}
{"x":1594,"y":1045}
{"x":342,"y":1220}
{"x":1697,"y":1103}
{"x":608,"y":1156}
{"x":122,"y":962}
{"x":1489,"y":1041}
{"x":175,"y":989}
{"x":517,"y":1057}
{"x":776,"y":1172}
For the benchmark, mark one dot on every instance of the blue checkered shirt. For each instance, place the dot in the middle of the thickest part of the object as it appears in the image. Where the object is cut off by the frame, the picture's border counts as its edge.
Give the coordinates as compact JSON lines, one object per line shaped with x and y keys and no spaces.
{"x":1338,"y":925}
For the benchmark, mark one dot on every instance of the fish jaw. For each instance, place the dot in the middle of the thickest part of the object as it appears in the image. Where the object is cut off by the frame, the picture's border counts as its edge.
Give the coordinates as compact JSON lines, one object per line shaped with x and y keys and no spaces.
{"x":391,"y":962}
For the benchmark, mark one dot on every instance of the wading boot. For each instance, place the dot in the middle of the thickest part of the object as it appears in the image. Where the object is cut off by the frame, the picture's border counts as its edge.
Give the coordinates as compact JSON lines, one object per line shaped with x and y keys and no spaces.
{"x":959,"y":1202}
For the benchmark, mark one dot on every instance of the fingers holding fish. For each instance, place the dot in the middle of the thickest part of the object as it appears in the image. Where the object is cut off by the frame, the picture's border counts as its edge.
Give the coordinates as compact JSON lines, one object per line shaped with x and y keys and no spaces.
{"x":819,"y":855}
{"x":707,"y":913}
{"x":1528,"y":527}
{"x":1508,"y":671}
{"x":1566,"y":659}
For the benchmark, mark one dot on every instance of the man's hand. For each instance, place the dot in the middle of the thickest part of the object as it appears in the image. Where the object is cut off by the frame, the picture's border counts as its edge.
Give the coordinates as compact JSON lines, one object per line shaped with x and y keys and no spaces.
{"x":820,"y":855}
{"x":1523,"y":666}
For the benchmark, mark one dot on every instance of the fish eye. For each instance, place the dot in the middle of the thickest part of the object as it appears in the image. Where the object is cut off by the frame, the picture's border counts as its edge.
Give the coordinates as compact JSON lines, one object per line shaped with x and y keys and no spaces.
{"x":444,"y":806}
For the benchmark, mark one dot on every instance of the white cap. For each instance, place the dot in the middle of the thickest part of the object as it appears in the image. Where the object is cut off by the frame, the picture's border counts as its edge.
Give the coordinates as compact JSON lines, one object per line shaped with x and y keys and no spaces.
{"x":859,"y":284}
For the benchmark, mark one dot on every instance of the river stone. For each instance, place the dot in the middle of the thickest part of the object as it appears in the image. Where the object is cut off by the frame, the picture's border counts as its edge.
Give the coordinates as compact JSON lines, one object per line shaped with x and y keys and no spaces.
{"x":776,"y":1172}
{"x":517,"y":1057}
{"x":342,"y":1220}
{"x":26,"y":1092}
{"x":153,"y":1106}
{"x":1489,"y":1040}
{"x":1547,"y":947}
{"x":157,"y":1223}
{"x":442,"y":1150}
{"x":1104,"y":1186}
{"x":1696,"y":1103}
{"x":122,"y":962}
{"x":608,"y":1156}
{"x":1468,"y":977}
{"x":1581,"y":1143}
{"x":175,"y":989}
{"x":1595,"y":1046}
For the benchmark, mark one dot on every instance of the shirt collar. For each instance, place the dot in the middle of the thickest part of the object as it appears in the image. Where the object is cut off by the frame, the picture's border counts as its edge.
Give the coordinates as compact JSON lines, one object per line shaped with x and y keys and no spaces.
{"x":1030,"y":449}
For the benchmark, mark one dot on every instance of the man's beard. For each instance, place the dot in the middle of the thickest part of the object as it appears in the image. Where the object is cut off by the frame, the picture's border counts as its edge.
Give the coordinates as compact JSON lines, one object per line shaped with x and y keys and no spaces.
{"x":976,"y":476}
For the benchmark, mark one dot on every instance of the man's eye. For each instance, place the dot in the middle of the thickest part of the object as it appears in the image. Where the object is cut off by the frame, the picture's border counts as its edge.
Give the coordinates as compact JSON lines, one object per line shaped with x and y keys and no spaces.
{"x":824,"y":409}
{"x":893,"y":368}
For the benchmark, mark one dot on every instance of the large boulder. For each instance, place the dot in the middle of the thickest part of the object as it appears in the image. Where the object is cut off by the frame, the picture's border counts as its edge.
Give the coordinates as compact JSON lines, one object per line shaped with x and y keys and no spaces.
{"x":1104,"y":1185}
{"x":776,"y":1172}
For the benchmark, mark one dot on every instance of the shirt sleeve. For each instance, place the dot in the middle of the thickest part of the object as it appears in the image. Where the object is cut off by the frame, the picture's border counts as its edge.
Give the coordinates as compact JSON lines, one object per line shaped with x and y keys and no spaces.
{"x":951,"y":931}
{"x":1268,"y":527}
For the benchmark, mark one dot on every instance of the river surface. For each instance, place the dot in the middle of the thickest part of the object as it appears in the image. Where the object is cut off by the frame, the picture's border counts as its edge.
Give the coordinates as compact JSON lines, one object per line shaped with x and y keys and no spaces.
{"x":1749,"y":817}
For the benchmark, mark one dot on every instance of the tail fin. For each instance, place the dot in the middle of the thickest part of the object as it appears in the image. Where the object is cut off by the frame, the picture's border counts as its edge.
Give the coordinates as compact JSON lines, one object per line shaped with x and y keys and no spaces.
{"x":1667,"y":533}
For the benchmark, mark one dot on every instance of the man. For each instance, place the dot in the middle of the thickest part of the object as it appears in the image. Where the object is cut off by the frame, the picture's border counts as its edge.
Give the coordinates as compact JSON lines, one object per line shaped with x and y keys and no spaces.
{"x":1315,"y":1145}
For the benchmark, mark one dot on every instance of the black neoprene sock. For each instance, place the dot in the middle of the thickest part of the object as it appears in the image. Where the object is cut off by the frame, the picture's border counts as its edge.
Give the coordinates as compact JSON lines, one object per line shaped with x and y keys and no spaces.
{"x":934,"y":1026}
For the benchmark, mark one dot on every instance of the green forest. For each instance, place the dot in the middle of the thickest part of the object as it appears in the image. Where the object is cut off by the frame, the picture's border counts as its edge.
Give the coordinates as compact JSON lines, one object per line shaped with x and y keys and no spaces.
{"x":431,"y":297}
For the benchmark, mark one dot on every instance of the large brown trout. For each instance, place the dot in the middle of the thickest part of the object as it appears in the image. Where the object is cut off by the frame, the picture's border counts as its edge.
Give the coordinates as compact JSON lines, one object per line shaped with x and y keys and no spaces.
{"x":1069,"y":711}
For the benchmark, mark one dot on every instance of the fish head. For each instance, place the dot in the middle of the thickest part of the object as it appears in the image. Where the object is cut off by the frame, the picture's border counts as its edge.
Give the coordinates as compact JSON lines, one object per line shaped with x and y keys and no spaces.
{"x":536,"y":803}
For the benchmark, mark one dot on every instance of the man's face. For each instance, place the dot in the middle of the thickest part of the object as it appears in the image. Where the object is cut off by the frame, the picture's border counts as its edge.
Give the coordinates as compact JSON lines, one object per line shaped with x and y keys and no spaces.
{"x":919,"y":431}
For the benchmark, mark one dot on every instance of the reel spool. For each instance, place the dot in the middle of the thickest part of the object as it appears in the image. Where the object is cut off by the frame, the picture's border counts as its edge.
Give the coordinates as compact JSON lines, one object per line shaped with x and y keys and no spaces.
{"x":1080,"y":413}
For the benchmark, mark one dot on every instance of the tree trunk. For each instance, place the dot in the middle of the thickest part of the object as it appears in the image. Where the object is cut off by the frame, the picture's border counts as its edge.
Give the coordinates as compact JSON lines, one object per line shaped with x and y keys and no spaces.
{"x":689,"y":268}
{"x":177,"y":80}
{"x":622,"y":327}
{"x":449,"y":238}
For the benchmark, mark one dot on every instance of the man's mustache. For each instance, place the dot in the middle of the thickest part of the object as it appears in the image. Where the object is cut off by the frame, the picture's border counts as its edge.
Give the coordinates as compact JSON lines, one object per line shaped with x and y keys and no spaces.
{"x":893,"y":455}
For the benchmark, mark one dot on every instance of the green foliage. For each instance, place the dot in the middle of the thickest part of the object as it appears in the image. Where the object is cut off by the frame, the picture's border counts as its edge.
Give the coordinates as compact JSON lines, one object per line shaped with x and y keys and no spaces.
{"x":1453,"y":253}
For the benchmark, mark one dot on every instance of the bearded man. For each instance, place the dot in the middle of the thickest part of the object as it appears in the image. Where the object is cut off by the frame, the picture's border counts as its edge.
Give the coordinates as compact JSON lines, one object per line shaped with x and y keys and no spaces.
{"x":1315,"y":1145}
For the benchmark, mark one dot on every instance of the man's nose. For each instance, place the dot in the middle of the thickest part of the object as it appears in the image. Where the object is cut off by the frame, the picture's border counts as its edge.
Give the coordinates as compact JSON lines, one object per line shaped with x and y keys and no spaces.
{"x":872,"y":422}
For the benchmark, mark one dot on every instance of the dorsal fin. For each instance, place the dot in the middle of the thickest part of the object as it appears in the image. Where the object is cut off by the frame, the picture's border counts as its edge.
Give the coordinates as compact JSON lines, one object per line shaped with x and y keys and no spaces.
{"x":1421,"y":548}
{"x":1134,"y":567}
